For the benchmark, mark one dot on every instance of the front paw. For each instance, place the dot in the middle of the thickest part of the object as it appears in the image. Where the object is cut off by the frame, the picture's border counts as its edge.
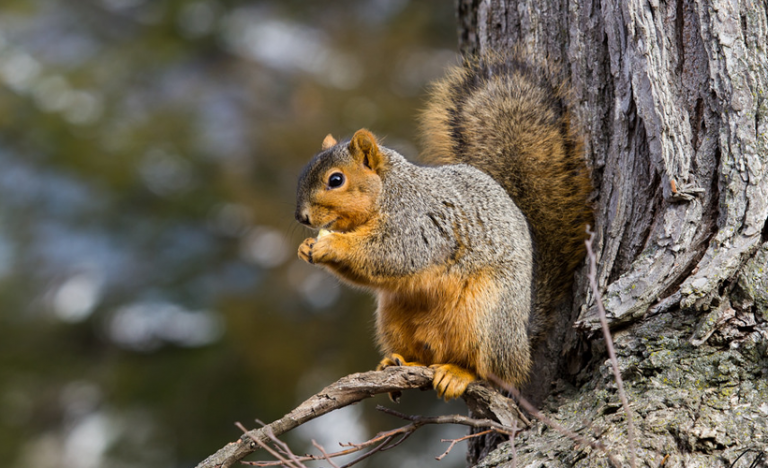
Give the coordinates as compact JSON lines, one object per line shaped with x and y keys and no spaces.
{"x":318,"y":251}
{"x":305,"y":249}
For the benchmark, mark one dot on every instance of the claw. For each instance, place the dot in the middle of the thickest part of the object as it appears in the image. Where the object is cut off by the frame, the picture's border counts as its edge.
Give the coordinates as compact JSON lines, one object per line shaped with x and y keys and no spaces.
{"x":451,"y":381}
{"x":395,"y":359}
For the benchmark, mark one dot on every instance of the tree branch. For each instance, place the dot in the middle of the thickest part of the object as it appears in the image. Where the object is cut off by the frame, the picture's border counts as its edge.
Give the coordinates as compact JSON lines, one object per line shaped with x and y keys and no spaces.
{"x":356,"y":387}
{"x":383,"y":440}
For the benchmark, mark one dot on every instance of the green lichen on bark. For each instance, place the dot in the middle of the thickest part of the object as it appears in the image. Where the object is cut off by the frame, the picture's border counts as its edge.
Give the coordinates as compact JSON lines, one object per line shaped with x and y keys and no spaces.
{"x":703,"y":405}
{"x":753,"y":282}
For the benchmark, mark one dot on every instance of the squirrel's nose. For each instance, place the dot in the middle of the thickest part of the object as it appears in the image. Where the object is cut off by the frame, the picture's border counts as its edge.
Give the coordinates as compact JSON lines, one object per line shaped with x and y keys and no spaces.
{"x":302,"y":217}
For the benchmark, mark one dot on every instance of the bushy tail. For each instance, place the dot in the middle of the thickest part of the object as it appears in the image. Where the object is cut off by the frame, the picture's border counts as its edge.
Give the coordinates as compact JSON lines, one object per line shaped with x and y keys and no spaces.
{"x":502,"y":115}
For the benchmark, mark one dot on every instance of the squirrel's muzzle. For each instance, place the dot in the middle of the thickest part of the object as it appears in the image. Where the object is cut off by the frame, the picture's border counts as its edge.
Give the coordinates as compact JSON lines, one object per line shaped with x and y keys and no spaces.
{"x":302,"y":216}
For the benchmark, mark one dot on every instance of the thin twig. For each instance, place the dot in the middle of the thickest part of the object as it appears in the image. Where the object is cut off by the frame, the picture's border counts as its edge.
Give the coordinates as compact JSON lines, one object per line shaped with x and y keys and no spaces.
{"x":354,"y":448}
{"x":302,"y":458}
{"x":379,"y":448}
{"x":609,"y":345}
{"x":283,"y":461}
{"x":450,"y":419}
{"x":461,"y":439}
{"x":512,"y":444}
{"x":283,"y":447}
{"x":325,"y":454}
{"x":409,"y":431}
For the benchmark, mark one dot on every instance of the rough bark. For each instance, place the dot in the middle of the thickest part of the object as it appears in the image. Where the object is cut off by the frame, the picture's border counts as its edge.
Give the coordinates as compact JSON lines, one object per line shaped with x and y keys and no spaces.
{"x":673,"y":101}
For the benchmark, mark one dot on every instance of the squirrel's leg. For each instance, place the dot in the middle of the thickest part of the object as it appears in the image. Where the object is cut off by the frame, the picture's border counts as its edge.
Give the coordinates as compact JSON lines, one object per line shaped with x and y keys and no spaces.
{"x":451,"y":381}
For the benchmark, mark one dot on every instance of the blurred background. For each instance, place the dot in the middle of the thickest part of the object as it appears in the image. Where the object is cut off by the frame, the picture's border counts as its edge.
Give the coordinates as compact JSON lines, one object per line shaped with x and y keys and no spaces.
{"x":150,"y":294}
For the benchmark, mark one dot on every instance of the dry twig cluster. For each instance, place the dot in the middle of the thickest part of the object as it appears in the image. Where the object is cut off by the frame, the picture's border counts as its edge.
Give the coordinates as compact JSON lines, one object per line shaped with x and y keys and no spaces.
{"x":500,"y":413}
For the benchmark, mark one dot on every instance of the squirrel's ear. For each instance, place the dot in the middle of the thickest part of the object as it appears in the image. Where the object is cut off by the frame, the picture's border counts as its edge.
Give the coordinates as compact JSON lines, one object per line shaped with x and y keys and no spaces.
{"x":365,"y":150}
{"x":328,"y":142}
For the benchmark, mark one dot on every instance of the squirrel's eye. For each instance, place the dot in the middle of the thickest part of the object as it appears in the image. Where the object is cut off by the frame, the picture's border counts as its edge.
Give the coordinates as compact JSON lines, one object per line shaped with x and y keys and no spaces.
{"x":336,"y":180}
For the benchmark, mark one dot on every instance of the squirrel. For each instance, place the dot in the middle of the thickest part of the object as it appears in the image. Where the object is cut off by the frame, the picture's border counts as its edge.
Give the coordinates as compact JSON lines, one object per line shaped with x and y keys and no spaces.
{"x":468,"y":254}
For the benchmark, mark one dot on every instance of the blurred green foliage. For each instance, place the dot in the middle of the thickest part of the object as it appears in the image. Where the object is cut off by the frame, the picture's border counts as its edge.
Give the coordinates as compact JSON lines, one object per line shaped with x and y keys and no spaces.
{"x":150,"y":295}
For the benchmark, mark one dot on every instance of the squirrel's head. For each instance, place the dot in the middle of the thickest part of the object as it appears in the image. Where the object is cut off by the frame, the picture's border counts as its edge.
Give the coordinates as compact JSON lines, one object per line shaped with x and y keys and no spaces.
{"x":339,"y":188}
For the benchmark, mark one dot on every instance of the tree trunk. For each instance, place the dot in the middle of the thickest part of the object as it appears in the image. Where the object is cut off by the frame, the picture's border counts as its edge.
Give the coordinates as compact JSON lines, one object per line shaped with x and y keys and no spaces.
{"x":673,"y":101}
